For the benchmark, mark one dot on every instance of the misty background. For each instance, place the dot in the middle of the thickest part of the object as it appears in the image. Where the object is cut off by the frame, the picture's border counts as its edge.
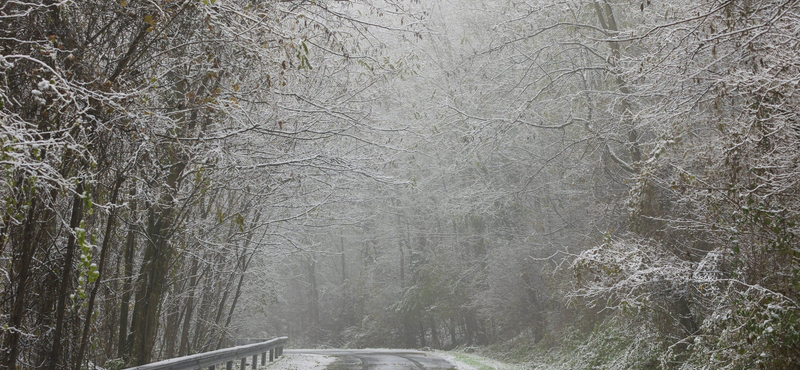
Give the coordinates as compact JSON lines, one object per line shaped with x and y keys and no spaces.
{"x":566,"y":183}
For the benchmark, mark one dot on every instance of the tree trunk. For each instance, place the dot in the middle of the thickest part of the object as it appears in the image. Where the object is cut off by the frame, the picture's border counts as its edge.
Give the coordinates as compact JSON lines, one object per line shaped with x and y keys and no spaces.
{"x":244,"y":266}
{"x":222,"y":301}
{"x":402,"y":266}
{"x":150,"y":289}
{"x":311,"y":264}
{"x":608,"y":22}
{"x":207,"y":295}
{"x":453,"y":342}
{"x":344,"y":260}
{"x":185,"y":348}
{"x":421,"y":326}
{"x":123,"y":351}
{"x":434,"y":334}
{"x":408,"y":332}
{"x":66,"y":276}
{"x":110,"y":306}
{"x":470,"y":329}
{"x":153,"y":273}
{"x":100,"y":269}
{"x":22,"y":259}
{"x":173,"y":323}
{"x":230,"y":310}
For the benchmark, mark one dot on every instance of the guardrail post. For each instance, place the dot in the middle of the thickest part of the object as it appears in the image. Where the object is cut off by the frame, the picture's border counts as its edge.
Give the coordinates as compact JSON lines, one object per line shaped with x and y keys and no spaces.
{"x":271,"y":354}
{"x":212,"y":367}
{"x":263,"y":358}
{"x":255,"y":361}
{"x":229,"y":365}
{"x":243,"y":366}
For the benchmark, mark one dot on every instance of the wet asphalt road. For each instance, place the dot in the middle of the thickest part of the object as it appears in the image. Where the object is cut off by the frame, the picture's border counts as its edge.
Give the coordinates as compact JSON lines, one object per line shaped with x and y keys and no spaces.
{"x":376,"y":359}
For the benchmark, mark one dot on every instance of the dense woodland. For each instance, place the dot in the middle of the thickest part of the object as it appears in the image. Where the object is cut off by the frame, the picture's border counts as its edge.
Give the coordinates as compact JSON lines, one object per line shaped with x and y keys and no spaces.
{"x":576,"y":184}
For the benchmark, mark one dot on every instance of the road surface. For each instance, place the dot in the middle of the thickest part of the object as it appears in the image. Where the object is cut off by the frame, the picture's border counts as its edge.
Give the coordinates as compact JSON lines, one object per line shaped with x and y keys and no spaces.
{"x":377,"y":359}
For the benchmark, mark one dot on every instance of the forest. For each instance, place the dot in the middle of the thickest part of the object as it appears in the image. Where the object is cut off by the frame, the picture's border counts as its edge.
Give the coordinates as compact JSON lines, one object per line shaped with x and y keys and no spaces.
{"x":571,"y":184}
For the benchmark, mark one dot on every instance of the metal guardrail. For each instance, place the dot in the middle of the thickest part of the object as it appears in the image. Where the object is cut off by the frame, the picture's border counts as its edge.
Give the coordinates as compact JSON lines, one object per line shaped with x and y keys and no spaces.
{"x":225,"y":356}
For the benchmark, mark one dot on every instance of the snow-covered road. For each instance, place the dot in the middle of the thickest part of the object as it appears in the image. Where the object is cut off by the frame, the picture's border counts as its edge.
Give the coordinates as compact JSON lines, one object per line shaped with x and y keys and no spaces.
{"x":373,"y":359}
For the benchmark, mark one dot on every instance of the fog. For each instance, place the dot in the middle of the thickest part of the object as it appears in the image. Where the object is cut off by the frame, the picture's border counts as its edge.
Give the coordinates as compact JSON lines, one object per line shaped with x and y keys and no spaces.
{"x":560,"y":183}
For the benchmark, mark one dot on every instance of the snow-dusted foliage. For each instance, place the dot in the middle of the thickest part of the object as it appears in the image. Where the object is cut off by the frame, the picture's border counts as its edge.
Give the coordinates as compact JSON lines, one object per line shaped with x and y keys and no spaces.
{"x":630,"y":274}
{"x":714,"y":203}
{"x":151,"y":148}
{"x":654,"y":142}
{"x":402,"y":173}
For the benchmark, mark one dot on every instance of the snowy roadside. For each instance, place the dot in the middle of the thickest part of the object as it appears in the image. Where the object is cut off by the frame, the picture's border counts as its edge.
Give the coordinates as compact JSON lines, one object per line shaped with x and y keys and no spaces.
{"x":469,"y":361}
{"x":297,"y":361}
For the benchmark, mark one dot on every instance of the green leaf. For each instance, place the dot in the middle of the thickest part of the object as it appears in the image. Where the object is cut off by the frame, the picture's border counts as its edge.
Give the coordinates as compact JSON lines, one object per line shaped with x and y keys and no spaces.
{"x":239,"y":220}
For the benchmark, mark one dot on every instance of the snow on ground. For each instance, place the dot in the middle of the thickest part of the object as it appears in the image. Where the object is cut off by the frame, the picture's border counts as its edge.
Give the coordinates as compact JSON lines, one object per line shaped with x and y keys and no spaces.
{"x":296,"y":361}
{"x":468,"y":361}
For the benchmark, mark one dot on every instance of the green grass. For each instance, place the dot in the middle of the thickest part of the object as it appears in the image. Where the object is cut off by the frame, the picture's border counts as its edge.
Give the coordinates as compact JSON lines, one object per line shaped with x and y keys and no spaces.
{"x":470,"y":361}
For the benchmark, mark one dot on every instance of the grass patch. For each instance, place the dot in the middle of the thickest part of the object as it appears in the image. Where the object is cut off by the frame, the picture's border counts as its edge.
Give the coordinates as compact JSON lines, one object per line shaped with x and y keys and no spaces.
{"x":469,"y":361}
{"x":472,"y":361}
